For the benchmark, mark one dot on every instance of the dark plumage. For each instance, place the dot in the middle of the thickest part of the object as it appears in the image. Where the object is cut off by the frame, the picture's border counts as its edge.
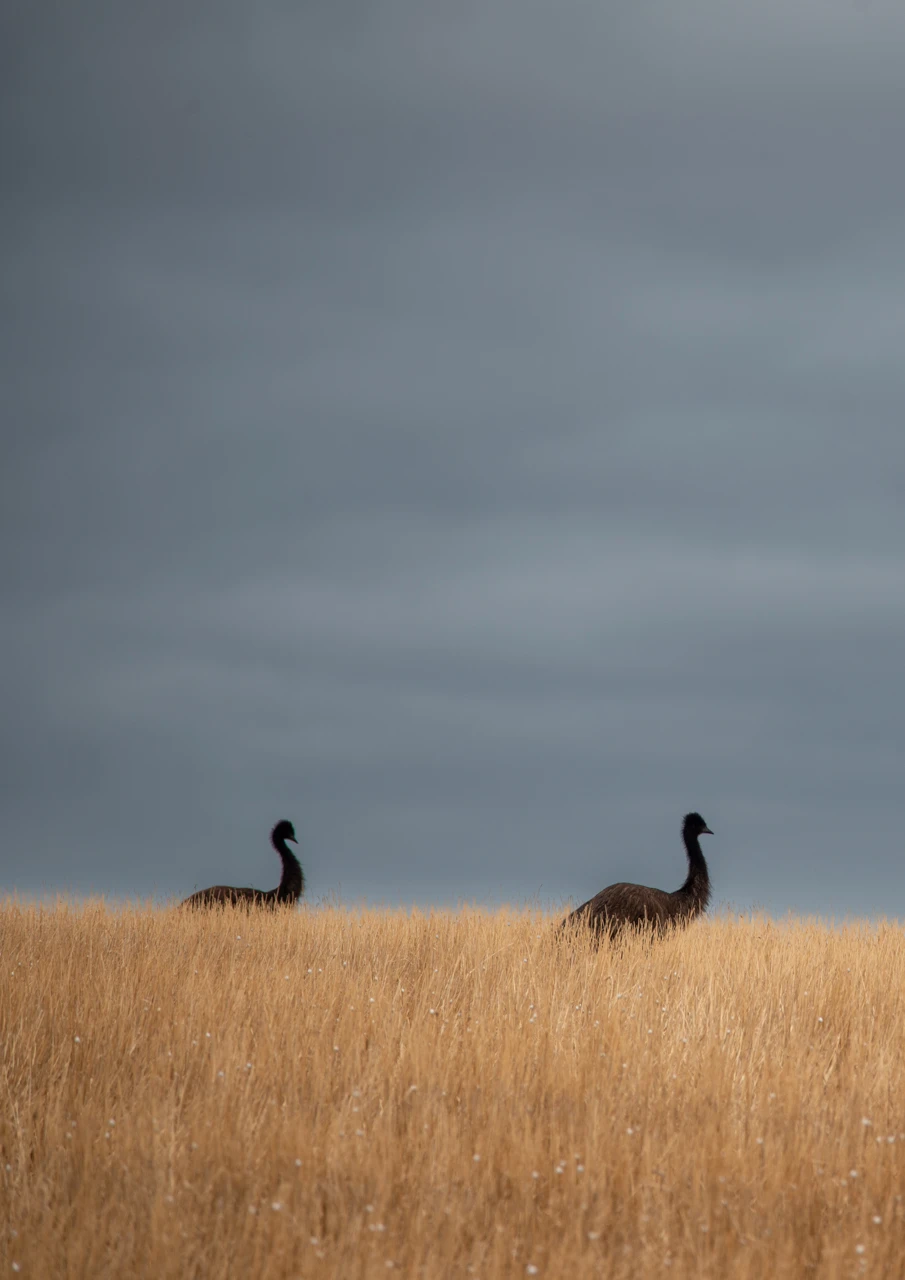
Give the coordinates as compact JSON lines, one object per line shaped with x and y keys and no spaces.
{"x":636,"y":904}
{"x":287,"y":893}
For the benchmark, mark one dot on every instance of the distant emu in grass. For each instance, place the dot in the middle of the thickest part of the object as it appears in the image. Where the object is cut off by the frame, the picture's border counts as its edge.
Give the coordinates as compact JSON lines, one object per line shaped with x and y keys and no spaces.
{"x":287,"y":893}
{"x":635,"y":904}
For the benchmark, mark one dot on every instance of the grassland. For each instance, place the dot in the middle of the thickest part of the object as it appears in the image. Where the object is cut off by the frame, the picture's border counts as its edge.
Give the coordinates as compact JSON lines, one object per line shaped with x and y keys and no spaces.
{"x":340,"y":1094}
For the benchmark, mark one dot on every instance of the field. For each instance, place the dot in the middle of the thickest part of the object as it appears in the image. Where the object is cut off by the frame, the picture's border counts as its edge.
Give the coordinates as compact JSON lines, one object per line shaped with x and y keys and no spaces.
{"x":329,"y":1093}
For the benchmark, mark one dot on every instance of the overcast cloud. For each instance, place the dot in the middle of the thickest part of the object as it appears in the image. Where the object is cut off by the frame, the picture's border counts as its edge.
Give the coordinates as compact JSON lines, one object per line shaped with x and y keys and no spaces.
{"x":475,"y":432}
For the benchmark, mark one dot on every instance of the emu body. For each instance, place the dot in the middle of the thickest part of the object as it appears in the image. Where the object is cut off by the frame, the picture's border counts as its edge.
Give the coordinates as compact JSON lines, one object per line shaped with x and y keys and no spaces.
{"x":621,"y":905}
{"x":287,"y":892}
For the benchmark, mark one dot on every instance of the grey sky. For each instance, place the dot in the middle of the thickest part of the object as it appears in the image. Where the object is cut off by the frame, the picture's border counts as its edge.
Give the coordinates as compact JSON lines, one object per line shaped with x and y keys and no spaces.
{"x":475,"y":432}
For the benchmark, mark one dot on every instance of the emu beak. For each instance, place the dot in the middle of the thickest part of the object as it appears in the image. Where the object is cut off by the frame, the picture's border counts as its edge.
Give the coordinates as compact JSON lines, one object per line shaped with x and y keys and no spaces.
{"x":706,"y":832}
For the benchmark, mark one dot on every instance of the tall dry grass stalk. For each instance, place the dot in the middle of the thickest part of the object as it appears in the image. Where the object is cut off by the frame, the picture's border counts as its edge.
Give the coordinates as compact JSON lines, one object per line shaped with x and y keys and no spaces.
{"x":343,"y":1094}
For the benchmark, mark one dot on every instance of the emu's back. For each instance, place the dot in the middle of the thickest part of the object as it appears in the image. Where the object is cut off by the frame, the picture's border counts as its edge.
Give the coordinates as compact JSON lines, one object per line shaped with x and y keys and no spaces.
{"x":228,"y":895}
{"x":634,"y":905}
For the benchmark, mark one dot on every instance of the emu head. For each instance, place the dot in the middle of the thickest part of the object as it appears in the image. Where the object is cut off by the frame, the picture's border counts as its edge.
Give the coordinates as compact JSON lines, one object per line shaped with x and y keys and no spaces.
{"x":694,"y":825}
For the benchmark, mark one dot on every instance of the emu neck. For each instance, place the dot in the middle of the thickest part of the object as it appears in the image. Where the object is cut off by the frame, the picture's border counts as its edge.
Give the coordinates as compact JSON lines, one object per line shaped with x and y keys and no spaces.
{"x":697,"y":885}
{"x":292,"y":882}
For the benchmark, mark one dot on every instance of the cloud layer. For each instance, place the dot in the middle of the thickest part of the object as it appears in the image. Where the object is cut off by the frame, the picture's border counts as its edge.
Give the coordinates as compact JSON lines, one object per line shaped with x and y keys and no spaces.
{"x":476,"y":437}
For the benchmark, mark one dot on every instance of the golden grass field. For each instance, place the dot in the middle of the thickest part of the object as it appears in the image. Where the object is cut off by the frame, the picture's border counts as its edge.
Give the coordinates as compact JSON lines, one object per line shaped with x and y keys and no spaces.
{"x":330,"y":1093}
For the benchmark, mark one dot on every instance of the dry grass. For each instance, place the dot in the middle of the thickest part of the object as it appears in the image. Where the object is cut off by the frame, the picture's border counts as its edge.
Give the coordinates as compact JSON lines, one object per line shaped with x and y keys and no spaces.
{"x":326,"y":1093}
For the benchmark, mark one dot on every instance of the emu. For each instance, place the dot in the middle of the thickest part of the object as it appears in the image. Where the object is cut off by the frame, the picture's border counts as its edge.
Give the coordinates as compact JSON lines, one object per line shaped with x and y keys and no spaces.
{"x":287,"y":893}
{"x":621,"y":905}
